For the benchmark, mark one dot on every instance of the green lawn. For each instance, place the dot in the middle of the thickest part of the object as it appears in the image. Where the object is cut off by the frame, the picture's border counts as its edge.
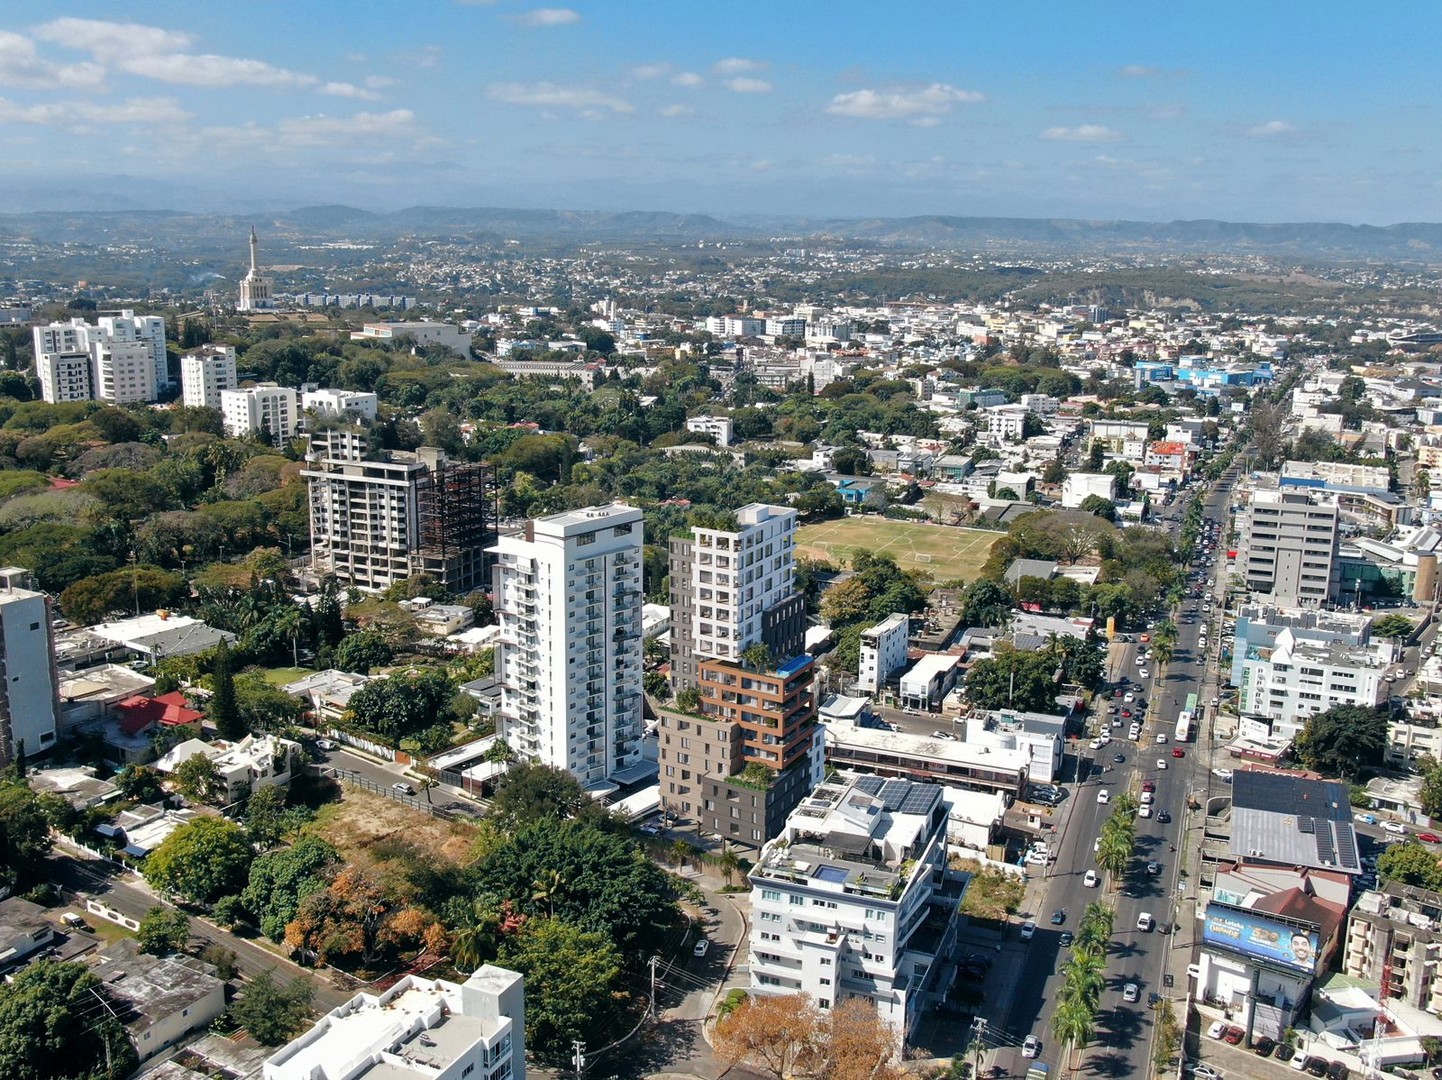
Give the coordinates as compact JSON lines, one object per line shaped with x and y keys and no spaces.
{"x":943,"y":551}
{"x":279,"y":676}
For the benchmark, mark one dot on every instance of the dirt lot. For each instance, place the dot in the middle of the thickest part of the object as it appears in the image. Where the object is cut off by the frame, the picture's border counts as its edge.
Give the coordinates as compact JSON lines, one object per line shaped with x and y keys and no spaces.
{"x":361,"y":819}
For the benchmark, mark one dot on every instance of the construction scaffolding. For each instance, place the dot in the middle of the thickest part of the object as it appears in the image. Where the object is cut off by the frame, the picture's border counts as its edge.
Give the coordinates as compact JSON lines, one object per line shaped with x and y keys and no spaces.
{"x":456,"y":512}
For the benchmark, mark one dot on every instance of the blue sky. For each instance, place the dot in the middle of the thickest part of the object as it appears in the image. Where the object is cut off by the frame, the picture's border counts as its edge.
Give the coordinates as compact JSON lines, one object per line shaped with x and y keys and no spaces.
{"x":1268,"y":110}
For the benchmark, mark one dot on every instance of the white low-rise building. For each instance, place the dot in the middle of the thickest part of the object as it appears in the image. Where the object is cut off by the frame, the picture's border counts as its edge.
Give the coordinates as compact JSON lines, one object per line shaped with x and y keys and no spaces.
{"x":255,"y":762}
{"x":719,"y":426}
{"x":335,"y":404}
{"x":926,"y":684}
{"x":853,"y":899}
{"x":1295,"y":679}
{"x":419,"y":1029}
{"x":265,"y":407}
{"x":1078,"y":487}
{"x":422,"y":333}
{"x":883,"y":652}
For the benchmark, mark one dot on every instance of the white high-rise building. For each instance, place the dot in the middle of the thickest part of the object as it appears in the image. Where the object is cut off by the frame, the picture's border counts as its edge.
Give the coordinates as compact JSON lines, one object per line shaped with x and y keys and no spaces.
{"x":734,"y":588}
{"x":64,"y":376}
{"x":257,"y":292}
{"x":148,"y":330}
{"x":125,"y":355}
{"x":839,"y":900}
{"x":205,"y":373}
{"x":265,"y":407}
{"x":29,"y":696}
{"x":568,"y":598}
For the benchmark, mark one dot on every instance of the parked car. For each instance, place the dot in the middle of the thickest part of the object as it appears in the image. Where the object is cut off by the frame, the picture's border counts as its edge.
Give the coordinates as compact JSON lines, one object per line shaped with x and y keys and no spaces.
{"x":1317,"y":1066}
{"x":1092,"y":879}
{"x":701,"y":948}
{"x":1264,"y":1046}
{"x":403,"y":788}
{"x":1149,"y":785}
{"x":1234,"y":1036}
{"x":1203,"y":1071}
{"x":1216,"y":1029}
{"x":1030,"y":1047}
{"x":1066,"y":938}
{"x":1395,"y":827}
{"x":1225,"y":775}
{"x":1338,"y":1070}
{"x":1028,"y":930}
{"x":1283,"y":1053}
{"x":325,"y":744}
{"x":1429,"y":838}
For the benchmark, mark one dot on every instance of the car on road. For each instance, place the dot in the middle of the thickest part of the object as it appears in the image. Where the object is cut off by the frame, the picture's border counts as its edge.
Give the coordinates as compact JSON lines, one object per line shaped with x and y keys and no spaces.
{"x":1216,"y":701}
{"x":1066,"y":938}
{"x":1395,"y":827}
{"x":1028,"y":930}
{"x":1177,"y":751}
{"x":1164,"y":817}
{"x":1217,"y":1029}
{"x":1429,"y":838}
{"x":1161,"y":763}
{"x":1145,"y":922}
{"x":1149,"y":785}
{"x":1131,"y":992}
{"x":1223,"y":774}
{"x":1144,"y":673}
{"x":1366,"y":819}
{"x":1126,"y":714}
{"x":1030,"y":1047}
{"x":403,"y":788}
{"x":1120,"y":759}
{"x":1203,"y":1071}
{"x":1111,"y":710}
{"x":1148,"y":797}
{"x":1141,"y":660}
{"x":1092,"y":879}
{"x":1129,"y":697}
{"x":1161,"y":736}
{"x":1058,"y":916}
{"x":1154,"y":868}
{"x":325,"y":744}
{"x":1234,"y":1036}
{"x":701,"y":948}
{"x":1104,"y":796}
{"x":948,"y":736}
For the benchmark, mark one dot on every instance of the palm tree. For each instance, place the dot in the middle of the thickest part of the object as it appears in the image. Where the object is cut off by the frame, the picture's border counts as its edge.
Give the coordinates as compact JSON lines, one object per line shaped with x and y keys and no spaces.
{"x":1125,"y":806}
{"x":1101,"y":916}
{"x":1085,"y":977}
{"x":477,"y":941}
{"x":548,"y":887}
{"x":681,"y":850}
{"x":1114,"y":855}
{"x":1074,"y":1023}
{"x":290,"y":621}
{"x":728,"y":863}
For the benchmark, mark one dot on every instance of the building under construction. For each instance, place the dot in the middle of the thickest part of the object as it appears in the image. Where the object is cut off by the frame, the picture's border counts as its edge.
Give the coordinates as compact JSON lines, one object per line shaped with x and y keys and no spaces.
{"x":377,"y":518}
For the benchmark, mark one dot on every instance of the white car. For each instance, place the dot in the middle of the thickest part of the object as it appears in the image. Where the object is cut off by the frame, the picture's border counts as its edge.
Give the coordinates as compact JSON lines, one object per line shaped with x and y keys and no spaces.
{"x":1028,"y":930}
{"x":702,"y":947}
{"x":1223,"y":774}
{"x":1161,"y":763}
{"x":1148,"y":798}
{"x":1144,"y":811}
{"x":1161,"y":736}
{"x":1141,"y":660}
{"x":1030,"y":1047}
{"x":1395,"y":827}
{"x":1129,"y":698}
{"x":1217,"y":1029}
{"x":1131,"y":991}
{"x":1092,"y":879}
{"x":1144,"y":673}
{"x":1104,"y":796}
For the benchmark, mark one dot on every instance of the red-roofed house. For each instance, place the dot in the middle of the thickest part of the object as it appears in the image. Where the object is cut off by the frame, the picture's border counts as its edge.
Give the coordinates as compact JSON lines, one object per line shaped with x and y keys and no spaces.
{"x":1174,"y":457}
{"x":169,"y":710}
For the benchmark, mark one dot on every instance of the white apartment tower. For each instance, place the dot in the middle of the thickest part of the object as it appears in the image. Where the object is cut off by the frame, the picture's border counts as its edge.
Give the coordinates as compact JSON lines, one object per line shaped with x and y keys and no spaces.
{"x":567,"y":595}
{"x":205,"y":373}
{"x":124,"y":359}
{"x":257,"y":292}
{"x":265,"y":407}
{"x":29,"y":701}
{"x":734,"y":588}
{"x":883,"y":650}
{"x":1288,"y":549}
{"x":842,"y":900}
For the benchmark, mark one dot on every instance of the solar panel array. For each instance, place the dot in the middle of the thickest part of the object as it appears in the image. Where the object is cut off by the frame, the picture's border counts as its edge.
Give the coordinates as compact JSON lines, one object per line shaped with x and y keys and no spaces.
{"x":870,"y":784}
{"x":899,"y":796}
{"x":1306,"y":824}
{"x":1347,"y":847}
{"x":1325,"y":851}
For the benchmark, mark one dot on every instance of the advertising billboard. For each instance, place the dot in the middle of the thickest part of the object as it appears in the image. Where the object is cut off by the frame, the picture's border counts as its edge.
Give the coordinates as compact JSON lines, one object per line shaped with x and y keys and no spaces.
{"x":1261,"y":937}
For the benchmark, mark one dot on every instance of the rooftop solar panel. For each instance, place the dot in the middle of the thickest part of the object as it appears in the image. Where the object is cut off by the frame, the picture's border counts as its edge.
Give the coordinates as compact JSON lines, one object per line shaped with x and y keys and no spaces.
{"x":1347,"y":848}
{"x":1325,"y":851}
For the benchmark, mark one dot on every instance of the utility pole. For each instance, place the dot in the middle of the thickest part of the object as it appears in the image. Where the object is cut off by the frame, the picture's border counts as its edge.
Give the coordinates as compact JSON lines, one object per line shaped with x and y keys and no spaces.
{"x":578,"y":1057}
{"x":652,"y":1008}
{"x":109,"y":1068}
{"x":978,"y":1039}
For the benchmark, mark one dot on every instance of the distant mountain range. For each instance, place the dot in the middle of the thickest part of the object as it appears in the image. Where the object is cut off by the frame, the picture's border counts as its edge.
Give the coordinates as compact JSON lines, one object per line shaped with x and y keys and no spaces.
{"x":1408,"y":242}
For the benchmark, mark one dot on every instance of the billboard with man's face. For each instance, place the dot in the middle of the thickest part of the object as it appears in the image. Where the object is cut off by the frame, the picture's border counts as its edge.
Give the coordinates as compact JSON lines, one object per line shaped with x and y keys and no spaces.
{"x":1257,"y":935}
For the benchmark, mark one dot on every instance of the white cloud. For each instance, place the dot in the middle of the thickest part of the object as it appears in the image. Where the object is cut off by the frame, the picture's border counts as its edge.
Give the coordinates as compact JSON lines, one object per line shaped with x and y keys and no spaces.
{"x":73,"y":114}
{"x":677,"y":110}
{"x":687,"y":78}
{"x":1081,"y":133}
{"x":652,"y":71}
{"x":328,"y":130}
{"x":921,"y":106}
{"x":1271,"y":129}
{"x":21,"y":65}
{"x":379,"y":82}
{"x":349,"y":90}
{"x":739,"y":65}
{"x":547,"y":17}
{"x":743,"y":85}
{"x":153,"y":52}
{"x":1139,"y":71}
{"x":549,"y":95}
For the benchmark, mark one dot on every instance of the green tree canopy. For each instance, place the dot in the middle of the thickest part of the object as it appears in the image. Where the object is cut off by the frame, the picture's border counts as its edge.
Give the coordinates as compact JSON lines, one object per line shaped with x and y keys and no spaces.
{"x":280,"y":880}
{"x":202,"y":860}
{"x":573,"y":986}
{"x":1412,"y":863}
{"x":272,"y":1013}
{"x":163,"y":930}
{"x":54,"y":1026}
{"x":402,"y":705}
{"x":1345,"y":741}
{"x":606,"y":884}
{"x":530,"y":792}
{"x":24,"y":834}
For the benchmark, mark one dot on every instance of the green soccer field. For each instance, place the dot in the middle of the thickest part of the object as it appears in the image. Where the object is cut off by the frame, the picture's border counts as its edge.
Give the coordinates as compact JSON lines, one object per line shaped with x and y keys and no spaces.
{"x":942,"y":551}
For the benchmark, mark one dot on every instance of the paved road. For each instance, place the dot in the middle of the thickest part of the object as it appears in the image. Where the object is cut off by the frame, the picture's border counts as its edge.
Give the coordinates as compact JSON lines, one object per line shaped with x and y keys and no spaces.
{"x":1124,"y":1035}
{"x":103,"y":881}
